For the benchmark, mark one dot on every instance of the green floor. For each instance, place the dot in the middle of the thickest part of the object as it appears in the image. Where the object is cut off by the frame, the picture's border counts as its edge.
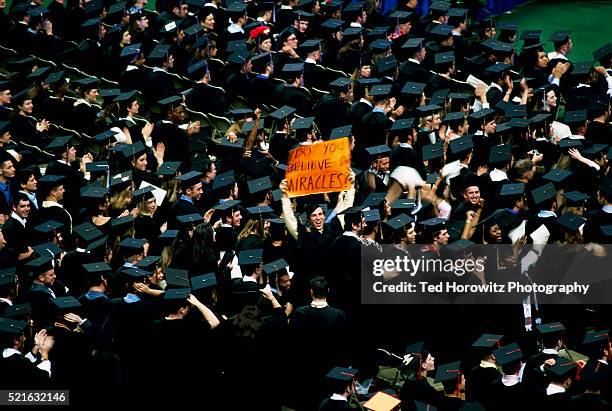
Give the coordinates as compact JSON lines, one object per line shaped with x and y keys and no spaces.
{"x":588,"y":20}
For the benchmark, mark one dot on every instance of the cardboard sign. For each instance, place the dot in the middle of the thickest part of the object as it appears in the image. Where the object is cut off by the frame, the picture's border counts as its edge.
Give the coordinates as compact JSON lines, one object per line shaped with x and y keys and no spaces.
{"x":319,"y":168}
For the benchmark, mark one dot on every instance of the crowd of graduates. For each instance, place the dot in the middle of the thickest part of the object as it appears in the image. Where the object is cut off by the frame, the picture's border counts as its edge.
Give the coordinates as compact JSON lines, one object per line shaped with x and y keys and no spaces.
{"x":150,"y":251}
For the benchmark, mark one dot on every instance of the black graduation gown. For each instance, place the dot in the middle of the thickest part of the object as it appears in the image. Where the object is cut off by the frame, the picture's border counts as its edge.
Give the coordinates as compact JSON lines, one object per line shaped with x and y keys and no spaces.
{"x":84,"y":118}
{"x":73,"y":181}
{"x":179,"y":208}
{"x":334,"y":405}
{"x":533,"y":377}
{"x":595,"y":220}
{"x":479,"y":383}
{"x":133,"y":78}
{"x":43,"y":310}
{"x":598,"y":133}
{"x":331,"y":112}
{"x":373,"y":129}
{"x":207,"y":99}
{"x":316,"y":76}
{"x":20,"y":373}
{"x":159,"y":85}
{"x":308,"y":326}
{"x":280,"y":145}
{"x":180,"y":341}
{"x":23,"y":130}
{"x":557,"y":402}
{"x":506,"y":398}
{"x":450,"y":404}
{"x":418,"y":390}
{"x":591,"y":402}
{"x":16,"y":236}
{"x":261,"y":90}
{"x":294,"y":97}
{"x":59,"y":214}
{"x":174,"y":138}
{"x":356,"y":113}
{"x":344,"y":274}
{"x":72,"y":273}
{"x":133,"y":320}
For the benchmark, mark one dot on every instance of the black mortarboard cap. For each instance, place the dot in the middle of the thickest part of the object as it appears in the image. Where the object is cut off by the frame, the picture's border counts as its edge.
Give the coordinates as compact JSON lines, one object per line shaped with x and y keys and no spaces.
{"x":461,"y":144}
{"x":433,"y":151}
{"x":412,"y":88}
{"x":401,"y":125}
{"x":259,"y":184}
{"x":434,"y":224}
{"x":159,"y":52}
{"x":594,"y":150}
{"x":12,"y":327}
{"x":507,"y":354}
{"x":500,"y":154}
{"x":560,"y":36}
{"x":557,"y":175}
{"x":169,"y":168}
{"x":177,"y":294}
{"x":332,"y":24}
{"x":563,"y":368}
{"x":441,"y":31}
{"x":446,"y":372}
{"x":571,"y":222}
{"x":339,"y":132}
{"x":177,"y":278}
{"x":567,"y":143}
{"x":274,"y":266}
{"x":48,"y":226}
{"x":514,"y":189}
{"x":543,"y":193}
{"x":428,"y":110}
{"x":386,"y":65}
{"x":444,"y":58}
{"x":87,"y":231}
{"x":399,"y":221}
{"x":550,"y":328}
{"x":203,"y":281}
{"x":342,"y":374}
{"x":380,"y":45}
{"x":223,"y":180}
{"x":603,"y":52}
{"x":488,"y":341}
{"x":66,"y":303}
{"x":303,"y":124}
{"x":282,"y":113}
{"x":378,"y":151}
{"x":18,"y":310}
{"x":134,"y":245}
{"x":41,"y":264}
{"x":250,"y":257}
{"x":98,"y":267}
{"x":574,"y":198}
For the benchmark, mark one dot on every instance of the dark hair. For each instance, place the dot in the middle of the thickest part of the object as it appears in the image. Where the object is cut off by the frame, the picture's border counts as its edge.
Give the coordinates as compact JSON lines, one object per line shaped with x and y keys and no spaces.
{"x":511,"y":368}
{"x":319,"y":287}
{"x":352,"y":218}
{"x":19,"y":197}
{"x":550,"y":340}
{"x":203,"y":247}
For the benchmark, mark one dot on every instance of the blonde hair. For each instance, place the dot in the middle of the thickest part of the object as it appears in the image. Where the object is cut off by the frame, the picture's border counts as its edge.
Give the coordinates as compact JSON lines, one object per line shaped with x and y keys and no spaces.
{"x":120,"y":200}
{"x":252,"y":227}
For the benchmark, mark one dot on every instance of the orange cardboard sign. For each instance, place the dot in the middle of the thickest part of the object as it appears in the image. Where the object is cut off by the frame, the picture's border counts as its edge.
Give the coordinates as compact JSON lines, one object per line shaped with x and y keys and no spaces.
{"x":319,"y":168}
